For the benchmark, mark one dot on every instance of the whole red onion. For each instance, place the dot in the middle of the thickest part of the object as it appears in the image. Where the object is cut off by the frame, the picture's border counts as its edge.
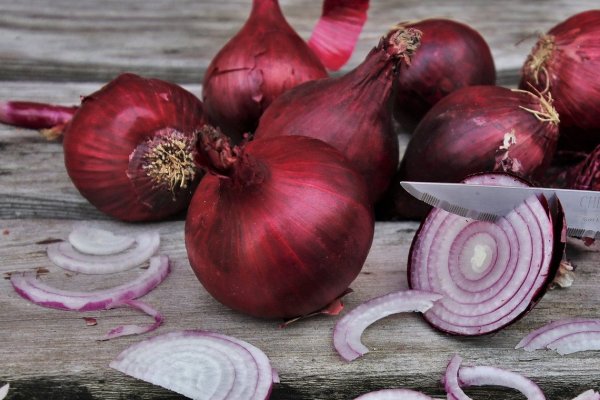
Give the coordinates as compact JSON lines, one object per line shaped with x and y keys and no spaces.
{"x":351,"y":112}
{"x":566,"y":62}
{"x":130,"y":147}
{"x":452,"y":55}
{"x":475,"y":129}
{"x":264,"y":59}
{"x":280,"y":227}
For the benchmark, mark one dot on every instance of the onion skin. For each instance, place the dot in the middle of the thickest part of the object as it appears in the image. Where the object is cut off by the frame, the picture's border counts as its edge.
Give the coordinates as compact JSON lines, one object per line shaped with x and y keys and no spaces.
{"x":283,"y":231}
{"x":586,"y":174}
{"x":109,"y":139}
{"x":264,"y":59}
{"x":463,"y":135}
{"x":566,"y":62}
{"x":452,"y":55}
{"x":351,"y":112}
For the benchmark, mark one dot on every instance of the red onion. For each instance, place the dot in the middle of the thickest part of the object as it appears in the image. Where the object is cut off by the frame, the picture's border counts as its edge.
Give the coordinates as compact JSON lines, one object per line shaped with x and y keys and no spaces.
{"x":452,"y":55}
{"x":65,"y":256}
{"x":394,"y":394}
{"x":96,"y":241}
{"x":351,"y":112}
{"x":32,"y":115}
{"x":280,"y":228}
{"x":542,"y":337}
{"x":336,"y":33}
{"x":200,"y":365}
{"x":348,"y":330}
{"x":586,"y":174}
{"x":490,"y":273}
{"x":566,"y":62}
{"x":483,"y":376}
{"x":264,"y":59}
{"x":130,"y":148}
{"x":475,"y":129}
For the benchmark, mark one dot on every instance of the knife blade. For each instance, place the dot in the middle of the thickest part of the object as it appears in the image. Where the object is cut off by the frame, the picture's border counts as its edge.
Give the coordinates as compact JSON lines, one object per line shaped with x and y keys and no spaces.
{"x":489,"y":202}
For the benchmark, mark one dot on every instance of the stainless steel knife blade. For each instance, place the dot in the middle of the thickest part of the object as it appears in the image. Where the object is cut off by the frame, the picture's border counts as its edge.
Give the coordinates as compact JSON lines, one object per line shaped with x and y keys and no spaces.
{"x":488,"y":202}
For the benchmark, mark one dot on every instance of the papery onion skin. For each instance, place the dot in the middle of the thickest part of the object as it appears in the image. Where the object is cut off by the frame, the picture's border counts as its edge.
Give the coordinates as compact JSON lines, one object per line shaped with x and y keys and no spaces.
{"x":116,"y":145}
{"x":351,"y":112}
{"x":263,"y":60}
{"x":452,"y":55}
{"x":283,"y":231}
{"x":566,"y":62}
{"x":466,"y":133}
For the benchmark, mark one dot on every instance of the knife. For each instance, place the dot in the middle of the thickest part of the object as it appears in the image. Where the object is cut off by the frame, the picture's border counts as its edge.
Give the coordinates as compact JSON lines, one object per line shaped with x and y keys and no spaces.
{"x":489,"y":202}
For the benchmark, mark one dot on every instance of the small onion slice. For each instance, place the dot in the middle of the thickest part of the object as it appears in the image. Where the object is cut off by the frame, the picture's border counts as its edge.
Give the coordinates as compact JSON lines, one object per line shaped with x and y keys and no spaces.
{"x":29,"y":287}
{"x":484,"y":376}
{"x":4,"y":391}
{"x":100,"y":242}
{"x":200,"y":365}
{"x":348,"y":330}
{"x":576,"y":342}
{"x":542,"y":337}
{"x":394,"y":394}
{"x":490,"y":273}
{"x":64,"y":255}
{"x":125,"y":330}
{"x":588,"y":395}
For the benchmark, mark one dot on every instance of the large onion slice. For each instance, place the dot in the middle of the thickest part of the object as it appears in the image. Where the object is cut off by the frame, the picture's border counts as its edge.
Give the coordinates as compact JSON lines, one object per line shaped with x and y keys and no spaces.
{"x":543,"y":337}
{"x":348,"y":330}
{"x":96,"y":241}
{"x":484,"y":376}
{"x":489,"y":273}
{"x":200,"y":365}
{"x":64,"y":255}
{"x":29,"y":287}
{"x":394,"y":394}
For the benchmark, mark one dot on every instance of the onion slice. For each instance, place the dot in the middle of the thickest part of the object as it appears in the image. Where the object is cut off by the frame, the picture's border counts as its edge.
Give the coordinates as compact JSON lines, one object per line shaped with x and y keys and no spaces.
{"x":64,"y":255}
{"x":348,"y":330}
{"x":576,"y":342}
{"x":588,"y":395}
{"x":200,"y":365}
{"x":29,"y":287}
{"x":394,"y":394}
{"x":542,"y":337}
{"x":100,"y":242}
{"x":335,"y":35}
{"x":125,"y":330}
{"x":4,"y":391}
{"x":484,"y":376}
{"x":490,"y":273}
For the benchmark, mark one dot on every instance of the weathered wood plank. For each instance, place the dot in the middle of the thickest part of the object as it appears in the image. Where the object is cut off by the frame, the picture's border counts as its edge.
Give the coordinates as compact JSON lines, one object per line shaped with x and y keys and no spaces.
{"x":80,"y":40}
{"x":44,"y":350}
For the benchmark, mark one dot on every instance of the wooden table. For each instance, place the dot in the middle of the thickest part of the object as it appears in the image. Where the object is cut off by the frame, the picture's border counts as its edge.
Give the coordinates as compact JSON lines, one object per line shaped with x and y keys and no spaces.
{"x":57,"y":50}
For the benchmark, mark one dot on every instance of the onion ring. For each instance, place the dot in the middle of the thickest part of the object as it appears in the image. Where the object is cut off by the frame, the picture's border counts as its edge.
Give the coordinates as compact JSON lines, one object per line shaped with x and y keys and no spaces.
{"x":100,"y":242}
{"x":125,"y":330}
{"x":588,"y":395}
{"x":394,"y":394}
{"x":542,"y":337}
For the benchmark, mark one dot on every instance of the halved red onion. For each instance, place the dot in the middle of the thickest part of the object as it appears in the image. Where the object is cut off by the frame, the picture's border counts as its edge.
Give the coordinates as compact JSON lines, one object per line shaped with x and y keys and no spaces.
{"x":4,"y":391}
{"x":64,"y":255}
{"x":125,"y":330}
{"x":394,"y":394}
{"x":547,"y":334}
{"x":486,"y":375}
{"x":489,"y":273}
{"x":348,"y":330}
{"x":200,"y":365}
{"x":588,"y":395}
{"x":96,"y":241}
{"x":29,"y":287}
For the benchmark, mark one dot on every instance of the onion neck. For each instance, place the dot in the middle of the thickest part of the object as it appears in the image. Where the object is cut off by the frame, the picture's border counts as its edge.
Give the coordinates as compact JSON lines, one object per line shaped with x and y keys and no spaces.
{"x":266,"y":10}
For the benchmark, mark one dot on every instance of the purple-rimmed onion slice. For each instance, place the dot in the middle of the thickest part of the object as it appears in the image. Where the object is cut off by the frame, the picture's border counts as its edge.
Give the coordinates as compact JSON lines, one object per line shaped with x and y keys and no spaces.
{"x":588,"y":395}
{"x":348,"y":330}
{"x":489,"y":273}
{"x":29,"y":287}
{"x":486,"y":376}
{"x":4,"y":391}
{"x":200,"y":365}
{"x":542,"y":337}
{"x":64,"y":255}
{"x":394,"y":394}
{"x":96,"y":241}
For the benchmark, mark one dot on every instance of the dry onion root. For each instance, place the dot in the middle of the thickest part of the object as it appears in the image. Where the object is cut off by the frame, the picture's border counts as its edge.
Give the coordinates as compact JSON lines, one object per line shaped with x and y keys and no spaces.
{"x":200,"y":365}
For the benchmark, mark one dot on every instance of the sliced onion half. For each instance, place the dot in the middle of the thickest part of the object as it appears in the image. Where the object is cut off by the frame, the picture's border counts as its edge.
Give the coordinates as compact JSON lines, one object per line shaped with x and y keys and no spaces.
{"x":588,"y":395}
{"x":394,"y":394}
{"x":200,"y":365}
{"x":96,"y":241}
{"x":64,"y":255}
{"x":348,"y":330}
{"x":541,"y":338}
{"x":487,"y":376}
{"x":489,"y":273}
